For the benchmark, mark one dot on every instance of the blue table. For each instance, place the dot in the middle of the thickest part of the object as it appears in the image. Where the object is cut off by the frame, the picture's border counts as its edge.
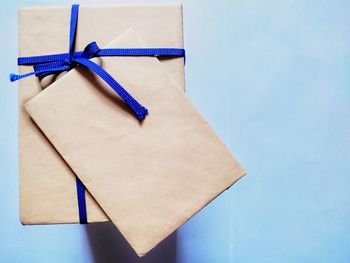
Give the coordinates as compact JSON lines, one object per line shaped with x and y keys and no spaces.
{"x":273,"y":79}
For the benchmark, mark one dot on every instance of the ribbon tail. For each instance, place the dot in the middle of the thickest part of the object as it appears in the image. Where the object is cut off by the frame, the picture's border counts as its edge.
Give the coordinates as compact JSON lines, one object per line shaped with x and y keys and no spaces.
{"x":13,"y":77}
{"x":39,"y":73}
{"x":139,"y":110}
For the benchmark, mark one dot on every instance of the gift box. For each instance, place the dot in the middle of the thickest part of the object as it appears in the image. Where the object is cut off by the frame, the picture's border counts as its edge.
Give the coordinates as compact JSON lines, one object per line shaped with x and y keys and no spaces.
{"x":120,"y":125}
{"x":48,"y":191}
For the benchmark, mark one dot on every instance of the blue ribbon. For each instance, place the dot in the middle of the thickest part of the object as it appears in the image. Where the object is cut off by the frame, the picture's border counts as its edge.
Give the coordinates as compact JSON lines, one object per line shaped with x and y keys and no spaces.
{"x":51,"y":64}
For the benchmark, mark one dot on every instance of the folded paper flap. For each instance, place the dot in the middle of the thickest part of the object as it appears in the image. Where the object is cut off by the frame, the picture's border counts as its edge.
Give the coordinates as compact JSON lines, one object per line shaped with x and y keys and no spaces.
{"x":149,"y":178}
{"x":47,"y":184}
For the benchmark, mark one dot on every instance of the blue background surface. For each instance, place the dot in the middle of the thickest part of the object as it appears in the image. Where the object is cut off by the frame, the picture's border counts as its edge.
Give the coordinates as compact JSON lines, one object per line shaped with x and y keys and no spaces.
{"x":273,"y":79}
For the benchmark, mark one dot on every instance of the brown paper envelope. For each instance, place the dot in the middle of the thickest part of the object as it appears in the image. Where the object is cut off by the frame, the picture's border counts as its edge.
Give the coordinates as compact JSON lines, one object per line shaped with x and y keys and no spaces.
{"x":148,"y":177}
{"x":47,"y":184}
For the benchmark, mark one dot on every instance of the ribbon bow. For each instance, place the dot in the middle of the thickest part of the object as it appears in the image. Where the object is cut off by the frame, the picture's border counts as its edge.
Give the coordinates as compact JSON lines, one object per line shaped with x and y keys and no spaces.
{"x":50,"y":64}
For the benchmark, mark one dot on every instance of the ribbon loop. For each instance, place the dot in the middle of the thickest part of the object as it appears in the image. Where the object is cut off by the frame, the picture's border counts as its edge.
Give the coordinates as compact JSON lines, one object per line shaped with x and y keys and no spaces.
{"x":91,"y":50}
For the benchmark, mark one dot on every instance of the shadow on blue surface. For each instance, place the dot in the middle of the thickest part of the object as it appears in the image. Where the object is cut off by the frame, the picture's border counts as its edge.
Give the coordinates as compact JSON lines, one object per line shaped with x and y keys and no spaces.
{"x":108,"y":245}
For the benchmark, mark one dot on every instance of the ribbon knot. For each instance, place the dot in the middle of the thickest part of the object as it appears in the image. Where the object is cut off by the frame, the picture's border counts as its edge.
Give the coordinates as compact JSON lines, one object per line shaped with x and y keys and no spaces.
{"x":68,"y":62}
{"x":90,"y":51}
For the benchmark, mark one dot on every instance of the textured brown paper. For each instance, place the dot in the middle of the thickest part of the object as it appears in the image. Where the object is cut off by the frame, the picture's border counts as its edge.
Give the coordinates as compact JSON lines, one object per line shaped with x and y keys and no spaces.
{"x":47,"y":184}
{"x":148,"y":177}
